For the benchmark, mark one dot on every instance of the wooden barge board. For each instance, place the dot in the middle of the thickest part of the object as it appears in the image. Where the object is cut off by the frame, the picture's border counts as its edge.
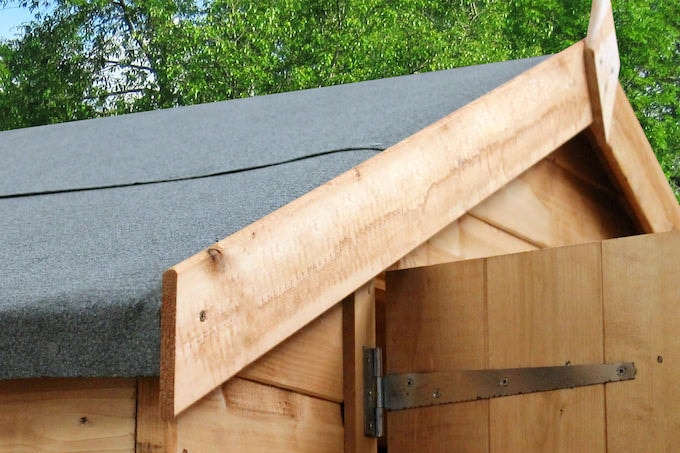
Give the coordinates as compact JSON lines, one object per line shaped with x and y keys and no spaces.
{"x":322,"y":246}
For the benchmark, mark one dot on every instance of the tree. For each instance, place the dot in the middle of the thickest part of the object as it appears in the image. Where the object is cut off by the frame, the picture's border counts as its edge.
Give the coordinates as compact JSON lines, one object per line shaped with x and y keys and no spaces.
{"x":86,"y":58}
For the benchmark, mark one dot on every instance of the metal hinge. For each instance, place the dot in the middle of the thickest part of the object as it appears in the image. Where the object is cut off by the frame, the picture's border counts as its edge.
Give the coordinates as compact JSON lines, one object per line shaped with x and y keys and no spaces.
{"x":373,"y":393}
{"x":405,"y":391}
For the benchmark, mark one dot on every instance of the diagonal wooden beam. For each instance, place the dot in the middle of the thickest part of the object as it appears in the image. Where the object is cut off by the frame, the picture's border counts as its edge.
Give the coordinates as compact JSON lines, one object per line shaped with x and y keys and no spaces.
{"x":228,"y":305}
{"x":633,"y":164}
{"x":618,"y":133}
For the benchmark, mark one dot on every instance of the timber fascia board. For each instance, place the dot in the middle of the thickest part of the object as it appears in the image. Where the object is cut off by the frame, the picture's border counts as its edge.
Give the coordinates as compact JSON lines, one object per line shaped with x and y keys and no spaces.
{"x":230,"y":304}
{"x":633,"y":165}
{"x":617,"y":132}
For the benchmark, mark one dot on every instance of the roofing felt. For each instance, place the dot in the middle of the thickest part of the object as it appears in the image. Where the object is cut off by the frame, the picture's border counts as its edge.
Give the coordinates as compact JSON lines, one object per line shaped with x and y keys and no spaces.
{"x":93,"y":212}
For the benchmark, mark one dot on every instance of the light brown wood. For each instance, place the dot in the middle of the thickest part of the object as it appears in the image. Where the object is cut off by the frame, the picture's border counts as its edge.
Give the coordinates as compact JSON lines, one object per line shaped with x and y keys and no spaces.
{"x":221,"y":312}
{"x":436,"y":321}
{"x":602,"y":64}
{"x":642,"y":324}
{"x":634,"y":166}
{"x":66,"y":415}
{"x":612,"y":301}
{"x":466,"y":238}
{"x":309,"y":362}
{"x":359,"y":331}
{"x":548,"y":207}
{"x":245,"y":416}
{"x":580,"y":197}
{"x":153,"y":434}
{"x":545,"y":309}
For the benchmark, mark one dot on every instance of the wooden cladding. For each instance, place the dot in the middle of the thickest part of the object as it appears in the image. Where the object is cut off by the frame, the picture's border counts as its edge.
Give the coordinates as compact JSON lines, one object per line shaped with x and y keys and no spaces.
{"x":611,"y":301}
{"x":329,"y":242}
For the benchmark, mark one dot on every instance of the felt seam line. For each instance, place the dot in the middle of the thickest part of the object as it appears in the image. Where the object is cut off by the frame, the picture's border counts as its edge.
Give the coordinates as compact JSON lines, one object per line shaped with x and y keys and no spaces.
{"x":189,"y":178}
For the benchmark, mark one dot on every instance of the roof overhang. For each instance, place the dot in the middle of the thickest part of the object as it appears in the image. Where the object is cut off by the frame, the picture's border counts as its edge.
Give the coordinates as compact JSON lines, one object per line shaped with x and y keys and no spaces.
{"x":231,"y":303}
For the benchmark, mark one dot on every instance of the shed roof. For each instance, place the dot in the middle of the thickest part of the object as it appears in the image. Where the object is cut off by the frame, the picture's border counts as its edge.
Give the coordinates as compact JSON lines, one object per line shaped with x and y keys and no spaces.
{"x":93,"y":212}
{"x":226,"y":306}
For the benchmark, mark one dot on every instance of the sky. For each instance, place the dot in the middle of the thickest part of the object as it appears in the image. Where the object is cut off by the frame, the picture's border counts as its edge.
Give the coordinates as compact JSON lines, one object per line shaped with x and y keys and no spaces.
{"x":11,"y":17}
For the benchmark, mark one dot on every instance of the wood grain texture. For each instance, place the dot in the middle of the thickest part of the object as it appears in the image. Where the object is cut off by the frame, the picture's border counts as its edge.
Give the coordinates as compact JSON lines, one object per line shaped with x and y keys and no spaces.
{"x":153,"y":434}
{"x":466,"y":238}
{"x":309,"y":362}
{"x":617,"y":300}
{"x":580,"y":197}
{"x":329,"y":242}
{"x":602,"y":64}
{"x":545,"y":309}
{"x":436,"y":321}
{"x":636,"y":170}
{"x":244,"y":416}
{"x":67,"y":415}
{"x":548,"y":207}
{"x":359,"y":325}
{"x":642,"y":324}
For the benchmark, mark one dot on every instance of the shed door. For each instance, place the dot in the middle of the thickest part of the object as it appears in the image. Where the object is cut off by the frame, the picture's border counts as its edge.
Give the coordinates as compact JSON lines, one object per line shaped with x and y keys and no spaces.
{"x":617,"y":300}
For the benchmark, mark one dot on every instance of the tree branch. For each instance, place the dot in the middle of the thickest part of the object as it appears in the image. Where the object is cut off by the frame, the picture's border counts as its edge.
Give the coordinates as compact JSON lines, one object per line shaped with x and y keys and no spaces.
{"x":113,"y":93}
{"x":129,"y":65}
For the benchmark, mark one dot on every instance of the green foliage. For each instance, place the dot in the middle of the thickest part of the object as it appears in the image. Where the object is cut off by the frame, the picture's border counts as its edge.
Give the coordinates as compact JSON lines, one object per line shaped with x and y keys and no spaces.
{"x":86,"y":58}
{"x":649,"y":43}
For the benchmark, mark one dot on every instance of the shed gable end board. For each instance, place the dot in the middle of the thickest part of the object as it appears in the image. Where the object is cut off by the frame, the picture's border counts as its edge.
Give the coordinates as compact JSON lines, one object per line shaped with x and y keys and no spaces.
{"x":322,"y":246}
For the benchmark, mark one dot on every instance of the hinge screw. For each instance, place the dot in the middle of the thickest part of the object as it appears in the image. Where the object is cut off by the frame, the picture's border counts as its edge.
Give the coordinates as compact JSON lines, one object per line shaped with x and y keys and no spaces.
{"x":504,"y":382}
{"x":436,"y":394}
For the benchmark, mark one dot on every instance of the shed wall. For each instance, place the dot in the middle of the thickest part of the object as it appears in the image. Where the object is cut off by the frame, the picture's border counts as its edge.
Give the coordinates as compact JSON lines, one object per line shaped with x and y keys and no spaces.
{"x":292,"y":396}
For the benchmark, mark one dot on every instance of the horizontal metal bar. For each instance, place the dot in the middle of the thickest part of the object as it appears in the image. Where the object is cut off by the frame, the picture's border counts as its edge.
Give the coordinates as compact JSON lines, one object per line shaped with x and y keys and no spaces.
{"x":403,"y":391}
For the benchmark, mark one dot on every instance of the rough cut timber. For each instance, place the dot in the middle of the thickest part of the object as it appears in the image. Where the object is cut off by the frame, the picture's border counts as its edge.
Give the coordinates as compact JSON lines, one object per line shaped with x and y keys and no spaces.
{"x":602,"y":60}
{"x":627,"y":154}
{"x":605,"y":301}
{"x":221,"y":312}
{"x":529,"y":165}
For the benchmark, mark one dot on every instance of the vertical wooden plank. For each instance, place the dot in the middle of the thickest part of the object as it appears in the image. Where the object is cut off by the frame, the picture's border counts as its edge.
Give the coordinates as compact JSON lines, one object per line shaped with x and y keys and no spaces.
{"x":545,"y":308}
{"x":435,"y":321}
{"x":642,"y":324}
{"x":153,"y":434}
{"x":245,"y":416}
{"x":66,"y":415}
{"x":358,"y":331}
{"x":602,"y":63}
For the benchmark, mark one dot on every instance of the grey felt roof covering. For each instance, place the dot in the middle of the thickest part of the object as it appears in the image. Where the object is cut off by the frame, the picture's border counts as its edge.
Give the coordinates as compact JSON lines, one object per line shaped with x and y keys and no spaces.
{"x":84,"y":245}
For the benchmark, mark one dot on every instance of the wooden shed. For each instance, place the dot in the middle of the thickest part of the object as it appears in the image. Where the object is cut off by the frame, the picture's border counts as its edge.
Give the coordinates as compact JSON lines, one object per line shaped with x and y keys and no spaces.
{"x":505,"y":237}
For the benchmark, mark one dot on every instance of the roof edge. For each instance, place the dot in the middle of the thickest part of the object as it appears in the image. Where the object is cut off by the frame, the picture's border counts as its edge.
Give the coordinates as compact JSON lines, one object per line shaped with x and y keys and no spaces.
{"x":635,"y":168}
{"x":228,"y":312}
